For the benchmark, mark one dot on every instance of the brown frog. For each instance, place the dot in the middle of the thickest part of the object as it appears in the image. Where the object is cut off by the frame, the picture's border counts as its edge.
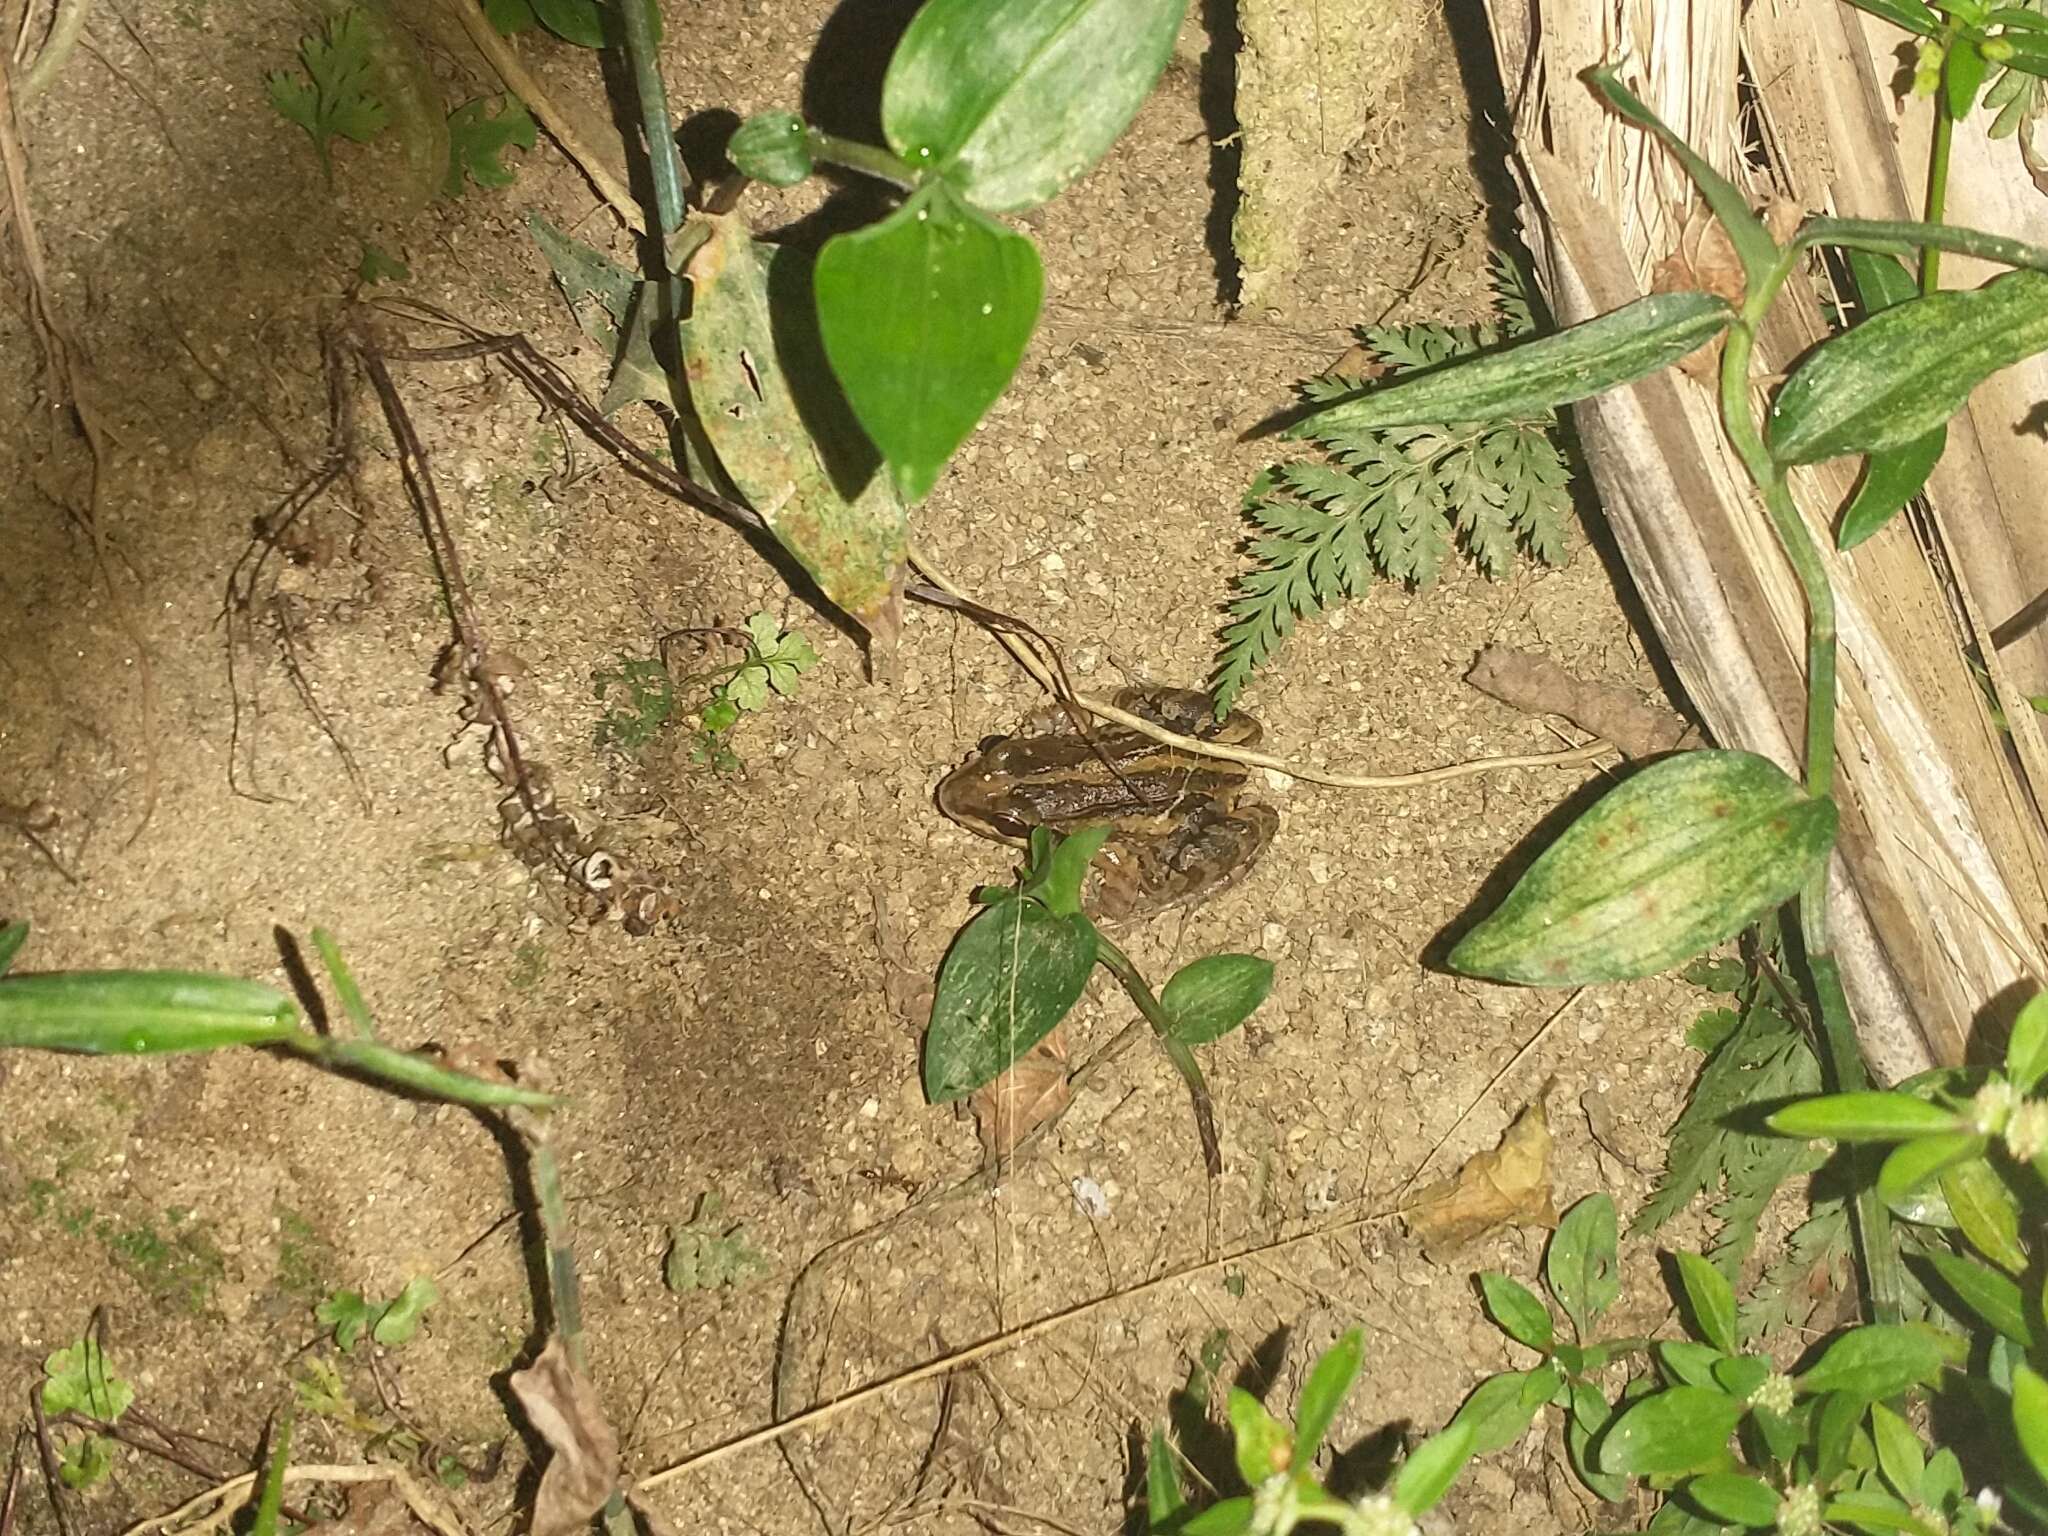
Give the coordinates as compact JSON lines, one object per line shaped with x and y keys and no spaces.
{"x":1180,"y":831}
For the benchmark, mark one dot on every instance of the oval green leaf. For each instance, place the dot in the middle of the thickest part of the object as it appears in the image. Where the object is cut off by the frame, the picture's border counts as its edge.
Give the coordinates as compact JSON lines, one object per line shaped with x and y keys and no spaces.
{"x":1913,"y":1165}
{"x":1260,"y":1442}
{"x":925,"y":317}
{"x":1501,"y":1408}
{"x":1007,"y":981}
{"x":1583,"y":1264}
{"x":1535,"y":376}
{"x":1895,"y":476}
{"x":1734,"y":1499}
{"x":1689,"y":1362}
{"x":1165,"y":1499}
{"x":1322,"y":1395}
{"x":1672,"y":1431}
{"x":1876,"y":1362}
{"x":2026,"y":1052}
{"x":1993,"y":1297}
{"x":2030,"y":1416}
{"x":782,"y":433}
{"x":1427,"y":1475}
{"x":1910,"y":15}
{"x":1982,"y":1205}
{"x":1868,"y":1116}
{"x":1226,"y":1517}
{"x":772,"y":147}
{"x":1684,"y":854}
{"x":1901,"y":374}
{"x":139,"y":1013}
{"x":1899,"y":1453}
{"x":1010,"y":100}
{"x":1711,"y":1299}
{"x":1520,"y":1313}
{"x":1207,"y":998}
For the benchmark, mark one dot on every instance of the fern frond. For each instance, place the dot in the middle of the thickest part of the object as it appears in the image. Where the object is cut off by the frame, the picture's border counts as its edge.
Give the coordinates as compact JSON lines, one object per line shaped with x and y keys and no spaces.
{"x":1783,"y":1296}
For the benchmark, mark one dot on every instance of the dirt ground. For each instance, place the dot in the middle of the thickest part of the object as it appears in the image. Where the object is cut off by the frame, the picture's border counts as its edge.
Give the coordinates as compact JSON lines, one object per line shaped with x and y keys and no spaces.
{"x":294,"y":769}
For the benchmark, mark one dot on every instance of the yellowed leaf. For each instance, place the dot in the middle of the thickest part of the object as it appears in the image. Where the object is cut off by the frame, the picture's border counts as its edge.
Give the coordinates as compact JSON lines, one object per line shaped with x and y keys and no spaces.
{"x":564,"y":1410}
{"x":1509,"y":1186}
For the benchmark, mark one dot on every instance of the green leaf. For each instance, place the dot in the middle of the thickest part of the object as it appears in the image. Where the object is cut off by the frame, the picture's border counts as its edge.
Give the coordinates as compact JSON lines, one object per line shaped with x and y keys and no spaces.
{"x":1520,"y":1313}
{"x":380,"y":266}
{"x":136,"y":1013}
{"x":1008,"y":980}
{"x":510,"y":17}
{"x":1672,"y":1431}
{"x":1867,"y":1116}
{"x":708,"y":1252}
{"x":1983,"y":1206}
{"x":1502,"y":1407}
{"x":1877,"y":1361}
{"x":1712,"y":1301}
{"x":86,"y":1460}
{"x":1902,"y":373}
{"x":1735,"y":1499}
{"x":574,"y":21}
{"x":478,"y":136}
{"x":335,"y":97}
{"x":1226,"y":1517}
{"x":1322,"y":1395}
{"x":424,"y":1075}
{"x":1535,"y":376}
{"x":1261,"y":1443}
{"x":1426,"y":1476}
{"x":1057,"y":875}
{"x":1874,"y":1510}
{"x":772,"y":147}
{"x":1912,"y":1165}
{"x":12,"y":937}
{"x":1899,"y":1453}
{"x":1683,"y":854}
{"x":401,"y":1317}
{"x":925,"y":316}
{"x":1582,"y":1264}
{"x":1992,"y":1296}
{"x":1010,"y":100}
{"x":271,"y":1500}
{"x":1209,"y":997}
{"x":1165,"y":1500}
{"x":1740,"y":1375}
{"x":1962,"y":75}
{"x":1691,"y":1363}
{"x":1911,"y":15}
{"x":79,"y":1379}
{"x":781,"y":431}
{"x":1587,"y":1417}
{"x":2026,"y":1052}
{"x":2030,"y":1416}
{"x":348,"y":1315}
{"x":1895,"y":476}
{"x":1754,"y":247}
{"x":344,"y":982}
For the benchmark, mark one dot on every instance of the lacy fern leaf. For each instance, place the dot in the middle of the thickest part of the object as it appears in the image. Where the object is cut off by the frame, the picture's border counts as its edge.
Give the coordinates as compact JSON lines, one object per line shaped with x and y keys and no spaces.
{"x":1394,"y":503}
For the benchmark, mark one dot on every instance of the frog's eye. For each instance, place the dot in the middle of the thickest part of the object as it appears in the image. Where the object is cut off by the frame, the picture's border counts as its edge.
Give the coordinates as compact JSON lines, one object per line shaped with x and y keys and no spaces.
{"x":1010,"y":826}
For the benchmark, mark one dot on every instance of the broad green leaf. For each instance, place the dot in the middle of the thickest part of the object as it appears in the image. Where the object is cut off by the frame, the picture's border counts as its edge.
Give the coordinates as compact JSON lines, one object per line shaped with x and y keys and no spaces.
{"x":1165,"y":1500}
{"x":1673,"y":1431}
{"x":1902,"y":373}
{"x":1874,"y":1510}
{"x":1262,"y":1445}
{"x":1322,"y":1395}
{"x":1502,"y":1407}
{"x":1754,"y":247}
{"x":1712,"y":1301}
{"x":1010,"y":100}
{"x":478,"y":137}
{"x":1911,"y":15}
{"x":1586,"y":1418}
{"x":781,"y":431}
{"x":1007,"y":981}
{"x":1532,"y":377}
{"x":1740,"y":1375}
{"x":1994,"y":1297}
{"x":79,"y":1380}
{"x":1057,"y":876}
{"x":137,"y":1013}
{"x":348,"y":1314}
{"x":1426,"y":1476}
{"x":1899,"y":1453}
{"x":771,"y":147}
{"x":401,"y":1319}
{"x":1895,"y":476}
{"x":925,"y":317}
{"x":1226,"y":1517}
{"x":1962,"y":75}
{"x":574,"y":21}
{"x":12,"y":937}
{"x":2026,"y":1052}
{"x":1582,"y":1264}
{"x":1877,"y":1361}
{"x":1519,"y":1311}
{"x":1683,"y":854}
{"x":422,"y":1074}
{"x":1981,"y":1204}
{"x":86,"y":1460}
{"x":271,"y":1500}
{"x":1914,"y":1164}
{"x":1737,"y":1499}
{"x":2030,"y":1416}
{"x":1689,"y":1362}
{"x":1867,"y":1116}
{"x":1209,"y":997}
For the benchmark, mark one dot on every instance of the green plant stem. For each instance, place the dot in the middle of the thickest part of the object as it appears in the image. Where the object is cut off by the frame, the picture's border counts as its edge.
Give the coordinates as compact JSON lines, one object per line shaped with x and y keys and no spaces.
{"x":1937,"y":189}
{"x":1121,"y":966}
{"x":867,"y":159}
{"x":664,"y":164}
{"x":1908,"y":237}
{"x":1841,"y":1049}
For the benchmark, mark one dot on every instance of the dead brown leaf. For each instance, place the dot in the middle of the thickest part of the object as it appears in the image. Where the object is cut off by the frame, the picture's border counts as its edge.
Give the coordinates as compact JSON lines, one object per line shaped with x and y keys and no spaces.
{"x":1509,"y":1186}
{"x":584,"y":1468}
{"x":1032,"y":1092}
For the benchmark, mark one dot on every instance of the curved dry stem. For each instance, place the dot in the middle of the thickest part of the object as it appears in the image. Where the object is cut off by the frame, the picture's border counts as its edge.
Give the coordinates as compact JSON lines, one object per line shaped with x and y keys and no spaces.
{"x":65,"y":31}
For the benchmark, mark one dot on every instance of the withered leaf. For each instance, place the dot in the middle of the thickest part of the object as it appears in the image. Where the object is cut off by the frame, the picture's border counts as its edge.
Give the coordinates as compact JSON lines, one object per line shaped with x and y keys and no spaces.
{"x":584,"y":1468}
{"x":1032,"y":1092}
{"x":1509,"y":1186}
